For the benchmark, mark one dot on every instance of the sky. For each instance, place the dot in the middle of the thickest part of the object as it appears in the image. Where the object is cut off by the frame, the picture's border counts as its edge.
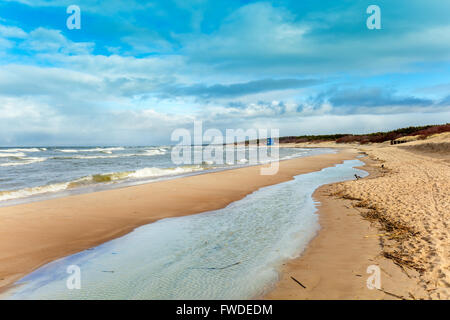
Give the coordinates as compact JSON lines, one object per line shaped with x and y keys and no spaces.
{"x":137,"y":70}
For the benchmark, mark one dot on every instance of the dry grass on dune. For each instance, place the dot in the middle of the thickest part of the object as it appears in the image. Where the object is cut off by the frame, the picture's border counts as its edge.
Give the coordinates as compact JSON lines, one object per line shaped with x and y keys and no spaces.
{"x":420,"y":133}
{"x":433,"y":130}
{"x":440,"y":147}
{"x":402,"y":134}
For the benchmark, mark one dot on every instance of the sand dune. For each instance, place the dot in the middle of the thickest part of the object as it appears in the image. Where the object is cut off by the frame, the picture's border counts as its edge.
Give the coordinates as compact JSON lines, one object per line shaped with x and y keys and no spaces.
{"x":439,"y":149}
{"x":411,"y":201}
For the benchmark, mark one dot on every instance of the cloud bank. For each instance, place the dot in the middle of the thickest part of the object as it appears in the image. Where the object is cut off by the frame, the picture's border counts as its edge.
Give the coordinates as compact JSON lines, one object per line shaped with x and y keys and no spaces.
{"x":138,"y":70}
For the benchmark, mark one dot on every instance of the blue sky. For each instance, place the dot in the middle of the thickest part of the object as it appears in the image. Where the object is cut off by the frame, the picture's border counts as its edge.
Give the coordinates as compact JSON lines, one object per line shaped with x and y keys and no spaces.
{"x":137,"y":70}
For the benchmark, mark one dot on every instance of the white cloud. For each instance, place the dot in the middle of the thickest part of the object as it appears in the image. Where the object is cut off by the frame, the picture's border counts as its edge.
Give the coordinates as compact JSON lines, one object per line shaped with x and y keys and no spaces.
{"x":251,"y":31}
{"x":25,"y":109}
{"x":88,"y":98}
{"x":21,"y":80}
{"x":48,"y":40}
{"x":12,"y":32}
{"x":5,"y":44}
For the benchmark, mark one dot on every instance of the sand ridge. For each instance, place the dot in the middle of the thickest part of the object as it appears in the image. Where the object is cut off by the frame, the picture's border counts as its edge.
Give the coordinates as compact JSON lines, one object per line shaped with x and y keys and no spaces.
{"x":411,"y":199}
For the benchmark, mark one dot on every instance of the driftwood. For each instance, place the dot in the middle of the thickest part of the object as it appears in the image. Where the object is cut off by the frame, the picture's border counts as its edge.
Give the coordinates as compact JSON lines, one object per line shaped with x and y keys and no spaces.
{"x":298,"y":282}
{"x":217,"y":268}
{"x":393,"y":294}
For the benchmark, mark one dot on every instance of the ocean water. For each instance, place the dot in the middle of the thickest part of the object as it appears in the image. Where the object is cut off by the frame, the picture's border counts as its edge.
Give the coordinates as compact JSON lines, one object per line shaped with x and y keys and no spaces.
{"x":28,"y":174}
{"x":231,"y":253}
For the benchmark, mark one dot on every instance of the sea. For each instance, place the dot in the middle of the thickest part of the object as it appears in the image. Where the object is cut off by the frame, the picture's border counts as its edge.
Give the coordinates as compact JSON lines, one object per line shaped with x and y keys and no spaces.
{"x":37,"y":173}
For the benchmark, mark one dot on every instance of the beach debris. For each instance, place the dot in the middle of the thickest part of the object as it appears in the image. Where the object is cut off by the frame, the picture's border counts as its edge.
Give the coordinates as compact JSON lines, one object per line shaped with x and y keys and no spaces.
{"x":357,"y":177}
{"x":298,"y":282}
{"x":109,"y":271}
{"x":217,"y":268}
{"x":402,"y":261}
{"x":404,"y":270}
{"x":393,"y":294}
{"x":376,"y":235}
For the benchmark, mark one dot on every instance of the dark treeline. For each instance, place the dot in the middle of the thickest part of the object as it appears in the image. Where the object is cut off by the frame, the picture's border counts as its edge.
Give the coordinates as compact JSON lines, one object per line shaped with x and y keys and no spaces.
{"x":377,"y":137}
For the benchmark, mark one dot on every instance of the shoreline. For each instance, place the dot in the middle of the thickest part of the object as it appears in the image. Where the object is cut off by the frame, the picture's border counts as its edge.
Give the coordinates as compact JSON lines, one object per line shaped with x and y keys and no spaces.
{"x":48,"y":230}
{"x":327,"y":269}
{"x":92,"y":188}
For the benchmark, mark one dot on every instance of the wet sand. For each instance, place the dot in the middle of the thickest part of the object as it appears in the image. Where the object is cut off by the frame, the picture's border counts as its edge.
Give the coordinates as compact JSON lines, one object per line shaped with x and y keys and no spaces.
{"x":34,"y":234}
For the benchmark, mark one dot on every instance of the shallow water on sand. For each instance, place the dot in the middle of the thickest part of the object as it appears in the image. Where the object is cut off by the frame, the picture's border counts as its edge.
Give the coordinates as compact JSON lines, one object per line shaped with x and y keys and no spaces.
{"x":231,"y":253}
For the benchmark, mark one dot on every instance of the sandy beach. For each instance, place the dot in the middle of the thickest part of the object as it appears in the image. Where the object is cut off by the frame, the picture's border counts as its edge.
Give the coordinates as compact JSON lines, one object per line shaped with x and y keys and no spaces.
{"x":397,"y":218}
{"x":34,"y":234}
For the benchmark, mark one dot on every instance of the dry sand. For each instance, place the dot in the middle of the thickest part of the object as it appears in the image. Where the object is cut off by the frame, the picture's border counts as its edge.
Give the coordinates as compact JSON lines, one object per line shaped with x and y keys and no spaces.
{"x":412,"y":201}
{"x":36,"y":233}
{"x":406,"y":209}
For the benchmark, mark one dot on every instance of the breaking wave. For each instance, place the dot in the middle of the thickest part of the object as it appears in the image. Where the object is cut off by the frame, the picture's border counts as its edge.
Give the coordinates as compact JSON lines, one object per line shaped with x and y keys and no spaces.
{"x":25,"y":161}
{"x":27,"y":192}
{"x":68,"y":150}
{"x":156,"y":172}
{"x":23,"y":150}
{"x":145,"y":153}
{"x":104,"y":150}
{"x":12,"y":155}
{"x":96,"y":179}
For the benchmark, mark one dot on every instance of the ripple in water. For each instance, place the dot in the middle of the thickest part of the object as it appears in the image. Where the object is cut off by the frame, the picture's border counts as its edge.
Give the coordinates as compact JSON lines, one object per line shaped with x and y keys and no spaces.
{"x":231,"y":253}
